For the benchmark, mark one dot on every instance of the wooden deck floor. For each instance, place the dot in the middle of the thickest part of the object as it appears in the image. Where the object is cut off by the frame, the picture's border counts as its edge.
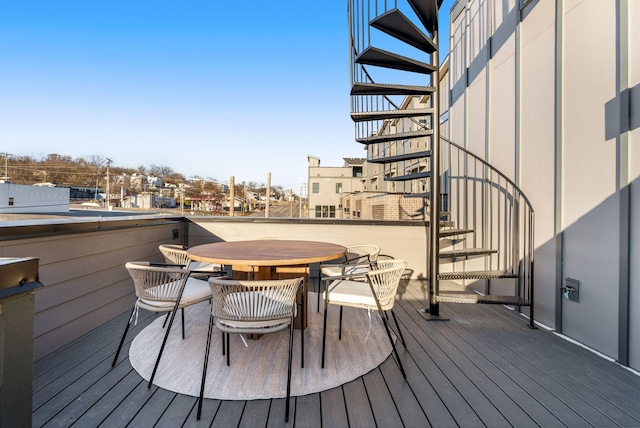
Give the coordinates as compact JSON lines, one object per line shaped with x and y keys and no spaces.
{"x":483,"y":367}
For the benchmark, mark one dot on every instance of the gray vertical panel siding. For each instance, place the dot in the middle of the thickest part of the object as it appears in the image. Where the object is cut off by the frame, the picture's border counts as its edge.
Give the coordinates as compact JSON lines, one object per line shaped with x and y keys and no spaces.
{"x":82,"y":269}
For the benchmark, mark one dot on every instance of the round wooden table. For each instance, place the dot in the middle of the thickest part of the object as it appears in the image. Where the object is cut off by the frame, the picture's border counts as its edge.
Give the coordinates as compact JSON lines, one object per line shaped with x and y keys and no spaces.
{"x":252,"y":256}
{"x":268,"y":258}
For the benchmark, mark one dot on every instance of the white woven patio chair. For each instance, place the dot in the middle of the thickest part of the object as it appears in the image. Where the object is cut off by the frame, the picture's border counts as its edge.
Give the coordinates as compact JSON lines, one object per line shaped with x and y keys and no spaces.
{"x":357,"y":262}
{"x":251,"y":307}
{"x":383,"y":280}
{"x":177,"y":254}
{"x":163,"y":289}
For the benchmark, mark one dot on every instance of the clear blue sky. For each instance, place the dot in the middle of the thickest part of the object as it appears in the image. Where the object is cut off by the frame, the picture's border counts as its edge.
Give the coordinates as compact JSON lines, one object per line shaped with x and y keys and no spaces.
{"x":208,"y":88}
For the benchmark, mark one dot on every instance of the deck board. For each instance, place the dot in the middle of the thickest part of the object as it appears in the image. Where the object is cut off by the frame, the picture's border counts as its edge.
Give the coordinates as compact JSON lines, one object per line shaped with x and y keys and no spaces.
{"x":228,"y":415}
{"x":576,"y":395}
{"x":409,"y":408}
{"x":524,"y":410}
{"x":153,"y":409}
{"x":513,"y":402}
{"x":307,"y":411}
{"x":276,"y":413}
{"x":358,"y":406}
{"x":110,"y":400}
{"x":255,"y":413}
{"x":334,"y":411}
{"x":592,"y":388}
{"x":483,"y":367}
{"x":128,"y":407}
{"x":181,"y":409}
{"x":433,"y":383}
{"x":449,"y":362}
{"x":544,"y":409}
{"x":51,"y":366}
{"x":209,"y":410}
{"x":381,"y":400}
{"x":553,"y":391}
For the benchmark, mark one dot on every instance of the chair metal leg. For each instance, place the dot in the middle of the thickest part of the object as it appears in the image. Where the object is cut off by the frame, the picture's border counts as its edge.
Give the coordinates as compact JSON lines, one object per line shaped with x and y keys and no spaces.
{"x":393,"y":345}
{"x":340,"y":331}
{"x":324,"y":332}
{"x":399,"y":330}
{"x":164,"y":324}
{"x":126,"y":329}
{"x":286,"y":414}
{"x":164,"y":342}
{"x":302,"y":320}
{"x":182,"y":316}
{"x":223,"y":344}
{"x":204,"y":369}
{"x":228,"y":351}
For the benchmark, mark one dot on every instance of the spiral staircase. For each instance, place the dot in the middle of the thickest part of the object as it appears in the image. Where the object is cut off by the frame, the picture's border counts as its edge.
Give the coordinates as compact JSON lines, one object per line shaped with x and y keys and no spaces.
{"x":484,"y":242}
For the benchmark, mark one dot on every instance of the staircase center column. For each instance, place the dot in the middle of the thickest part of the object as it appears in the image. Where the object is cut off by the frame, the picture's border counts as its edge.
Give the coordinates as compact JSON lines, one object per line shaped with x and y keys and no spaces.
{"x":434,"y":207}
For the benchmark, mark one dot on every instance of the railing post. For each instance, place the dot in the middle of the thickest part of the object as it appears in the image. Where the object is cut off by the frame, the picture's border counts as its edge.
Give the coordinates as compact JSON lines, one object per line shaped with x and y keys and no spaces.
{"x":18,"y":280}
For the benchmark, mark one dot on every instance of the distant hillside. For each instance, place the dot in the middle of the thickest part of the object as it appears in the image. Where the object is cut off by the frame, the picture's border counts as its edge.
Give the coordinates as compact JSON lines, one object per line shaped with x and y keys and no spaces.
{"x":92,"y":172}
{"x":61,"y":169}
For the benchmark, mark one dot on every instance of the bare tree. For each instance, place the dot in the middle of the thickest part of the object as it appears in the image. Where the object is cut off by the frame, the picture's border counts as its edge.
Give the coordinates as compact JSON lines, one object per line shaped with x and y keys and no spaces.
{"x":95,"y":166}
{"x":161,"y":171}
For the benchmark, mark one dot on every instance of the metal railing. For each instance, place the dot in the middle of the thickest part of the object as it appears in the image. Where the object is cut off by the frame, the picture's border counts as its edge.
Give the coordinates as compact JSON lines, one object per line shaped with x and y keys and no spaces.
{"x":483,"y":199}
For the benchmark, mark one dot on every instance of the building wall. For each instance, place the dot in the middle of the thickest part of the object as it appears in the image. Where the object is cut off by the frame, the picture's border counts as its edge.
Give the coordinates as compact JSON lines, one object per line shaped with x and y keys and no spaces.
{"x":546,"y":95}
{"x":590,"y":212}
{"x":536,"y":138}
{"x":382,"y":206}
{"x":631,"y":139}
{"x":327,"y":179}
{"x":20,"y":198}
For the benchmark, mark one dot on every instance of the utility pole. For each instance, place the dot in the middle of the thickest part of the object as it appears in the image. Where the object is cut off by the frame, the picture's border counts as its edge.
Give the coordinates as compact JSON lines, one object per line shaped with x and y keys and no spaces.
{"x":266,"y":207}
{"x":232,"y":195}
{"x":291,"y":203}
{"x":6,"y":168}
{"x":108,"y":190}
{"x":303,"y":188}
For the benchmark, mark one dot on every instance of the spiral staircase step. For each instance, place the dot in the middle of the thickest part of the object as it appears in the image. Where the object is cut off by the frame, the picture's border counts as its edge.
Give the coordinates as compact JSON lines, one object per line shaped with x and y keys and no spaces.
{"x":381,"y":58}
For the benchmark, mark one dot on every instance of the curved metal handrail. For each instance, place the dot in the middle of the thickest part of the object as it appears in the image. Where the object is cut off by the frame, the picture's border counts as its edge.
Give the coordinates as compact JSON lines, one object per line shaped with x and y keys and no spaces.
{"x":487,"y":164}
{"x":481,"y":198}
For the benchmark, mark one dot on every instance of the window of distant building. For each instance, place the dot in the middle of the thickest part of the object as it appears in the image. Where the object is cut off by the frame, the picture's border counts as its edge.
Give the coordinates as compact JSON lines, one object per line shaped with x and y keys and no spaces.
{"x":357,"y":171}
{"x":10,"y":201}
{"x":316,"y":187}
{"x":338,"y":187}
{"x":325,"y":211}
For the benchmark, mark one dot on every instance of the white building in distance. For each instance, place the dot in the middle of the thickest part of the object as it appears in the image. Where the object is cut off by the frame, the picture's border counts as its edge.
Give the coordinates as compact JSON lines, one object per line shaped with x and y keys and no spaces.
{"x":24,"y":199}
{"x":326,"y":185}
